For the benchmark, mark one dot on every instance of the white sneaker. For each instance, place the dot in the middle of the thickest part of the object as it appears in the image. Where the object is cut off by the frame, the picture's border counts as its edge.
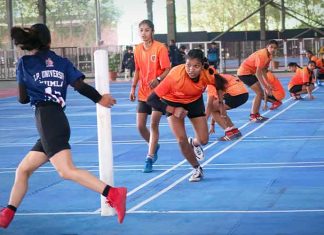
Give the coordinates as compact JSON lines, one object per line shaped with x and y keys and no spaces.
{"x":197,"y":174}
{"x":199,"y":152}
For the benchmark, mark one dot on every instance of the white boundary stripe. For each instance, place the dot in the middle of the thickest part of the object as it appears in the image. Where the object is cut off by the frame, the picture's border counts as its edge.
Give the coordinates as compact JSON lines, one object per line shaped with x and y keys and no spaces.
{"x":209,"y":160}
{"x":229,"y":211}
{"x":184,"y":168}
{"x":180,"y":212}
{"x":185,"y":165}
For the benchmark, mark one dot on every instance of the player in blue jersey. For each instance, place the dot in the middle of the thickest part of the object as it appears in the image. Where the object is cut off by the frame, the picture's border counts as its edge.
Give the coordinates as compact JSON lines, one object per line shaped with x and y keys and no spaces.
{"x":43,"y":78}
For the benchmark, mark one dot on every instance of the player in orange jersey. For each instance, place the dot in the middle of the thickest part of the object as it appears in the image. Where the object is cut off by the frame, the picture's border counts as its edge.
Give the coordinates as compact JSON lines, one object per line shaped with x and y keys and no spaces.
{"x":152,"y":64}
{"x":253,"y":73}
{"x":180,"y":93}
{"x":278,"y":92}
{"x":311,"y":57}
{"x":231,"y":90}
{"x":303,"y":81}
{"x":320,"y":72}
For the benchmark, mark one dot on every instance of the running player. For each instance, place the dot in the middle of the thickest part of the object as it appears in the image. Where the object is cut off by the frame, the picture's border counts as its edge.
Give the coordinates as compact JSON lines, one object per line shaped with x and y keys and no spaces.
{"x":278,"y":92}
{"x":303,"y":81}
{"x":253,"y":73}
{"x":180,"y":93}
{"x":42,"y":79}
{"x":152,"y":64}
{"x":231,"y":90}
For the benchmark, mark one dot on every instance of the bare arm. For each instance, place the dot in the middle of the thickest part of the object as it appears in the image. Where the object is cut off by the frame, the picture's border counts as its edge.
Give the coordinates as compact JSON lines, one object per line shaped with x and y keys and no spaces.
{"x":156,"y":82}
{"x":132,"y":95}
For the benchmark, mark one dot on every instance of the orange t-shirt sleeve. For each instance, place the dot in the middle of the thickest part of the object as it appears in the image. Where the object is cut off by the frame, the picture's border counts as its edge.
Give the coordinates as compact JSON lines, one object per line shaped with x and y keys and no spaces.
{"x":164,"y":58}
{"x":164,"y":87}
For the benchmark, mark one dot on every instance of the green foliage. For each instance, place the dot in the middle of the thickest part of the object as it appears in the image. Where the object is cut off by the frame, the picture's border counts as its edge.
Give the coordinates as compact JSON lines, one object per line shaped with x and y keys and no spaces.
{"x":72,"y":22}
{"x":219,"y":15}
{"x":114,"y":62}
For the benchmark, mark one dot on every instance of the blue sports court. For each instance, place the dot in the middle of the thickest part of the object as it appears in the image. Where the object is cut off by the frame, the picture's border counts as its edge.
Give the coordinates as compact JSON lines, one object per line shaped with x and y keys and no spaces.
{"x":270,"y":181}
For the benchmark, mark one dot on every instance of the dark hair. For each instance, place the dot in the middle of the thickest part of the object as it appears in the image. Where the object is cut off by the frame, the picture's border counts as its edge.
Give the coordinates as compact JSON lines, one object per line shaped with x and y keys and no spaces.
{"x":183,"y":47}
{"x":311,"y":62}
{"x":199,"y":55}
{"x":220,"y":82}
{"x":310,"y":52}
{"x":273,"y":42}
{"x":148,"y":23}
{"x":37,"y":37}
{"x":292,"y":64}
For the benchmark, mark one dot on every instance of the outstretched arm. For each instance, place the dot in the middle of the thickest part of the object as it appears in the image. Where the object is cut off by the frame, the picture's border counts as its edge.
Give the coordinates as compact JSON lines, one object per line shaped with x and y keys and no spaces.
{"x":88,"y":91}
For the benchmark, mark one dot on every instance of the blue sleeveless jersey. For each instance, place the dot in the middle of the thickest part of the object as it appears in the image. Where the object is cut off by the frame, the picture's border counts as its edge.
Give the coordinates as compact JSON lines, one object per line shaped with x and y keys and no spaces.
{"x":46,"y":76}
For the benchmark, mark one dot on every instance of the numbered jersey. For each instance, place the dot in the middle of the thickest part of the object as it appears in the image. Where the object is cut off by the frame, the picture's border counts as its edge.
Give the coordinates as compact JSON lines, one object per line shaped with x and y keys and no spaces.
{"x":46,"y":76}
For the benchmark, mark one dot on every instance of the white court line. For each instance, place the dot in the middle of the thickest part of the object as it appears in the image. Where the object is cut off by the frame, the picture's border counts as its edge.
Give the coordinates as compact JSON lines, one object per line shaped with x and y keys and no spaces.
{"x":229,"y":211}
{"x":186,"y":165}
{"x":181,"y":212}
{"x":171,"y":141}
{"x":166,"y":170}
{"x":206,"y":162}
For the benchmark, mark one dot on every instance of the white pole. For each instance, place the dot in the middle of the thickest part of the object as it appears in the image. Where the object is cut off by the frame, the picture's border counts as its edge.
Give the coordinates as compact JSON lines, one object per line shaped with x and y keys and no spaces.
{"x":104,"y":127}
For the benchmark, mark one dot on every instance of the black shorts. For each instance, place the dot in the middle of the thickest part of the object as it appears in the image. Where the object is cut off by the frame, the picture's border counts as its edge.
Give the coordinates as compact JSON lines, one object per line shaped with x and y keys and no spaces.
{"x":143,"y":107}
{"x":271,"y":98}
{"x":296,"y":88}
{"x":248,"y":80}
{"x":53,"y":129}
{"x":320,"y":76}
{"x":235,"y":101}
{"x":195,"y":108}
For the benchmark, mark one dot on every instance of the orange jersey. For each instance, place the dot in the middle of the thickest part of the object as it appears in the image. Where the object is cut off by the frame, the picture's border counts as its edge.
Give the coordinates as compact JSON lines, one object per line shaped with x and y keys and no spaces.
{"x":313,"y":58}
{"x":320,"y":65}
{"x":178,"y":87}
{"x":259,"y":59}
{"x":150,"y":63}
{"x":277,"y":89}
{"x":301,"y":77}
{"x":233,"y":87}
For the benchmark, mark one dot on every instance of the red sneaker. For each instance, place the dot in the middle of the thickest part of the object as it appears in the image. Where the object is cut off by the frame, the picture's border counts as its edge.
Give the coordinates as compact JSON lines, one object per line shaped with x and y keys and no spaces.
{"x":117,"y":199}
{"x":6,"y":217}
{"x":275,"y":105}
{"x":237,"y":132}
{"x":257,"y":118}
{"x":229,"y":135}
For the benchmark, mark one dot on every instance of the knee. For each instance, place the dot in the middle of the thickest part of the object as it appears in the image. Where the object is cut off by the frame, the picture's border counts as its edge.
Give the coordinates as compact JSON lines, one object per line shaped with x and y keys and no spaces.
{"x":141,"y":127}
{"x":204,"y":140}
{"x":154,"y":127}
{"x":259,"y":92}
{"x":24,"y":171}
{"x":183,"y":143}
{"x":66,"y":174}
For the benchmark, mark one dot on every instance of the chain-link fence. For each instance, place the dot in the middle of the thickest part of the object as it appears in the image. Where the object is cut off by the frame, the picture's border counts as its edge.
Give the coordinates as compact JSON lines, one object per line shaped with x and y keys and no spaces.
{"x":231,"y":54}
{"x":81,"y":57}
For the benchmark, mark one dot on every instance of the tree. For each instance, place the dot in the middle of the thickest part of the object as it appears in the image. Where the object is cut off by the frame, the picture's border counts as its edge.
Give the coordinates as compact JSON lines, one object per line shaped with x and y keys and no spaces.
{"x":217,"y":15}
{"x":72,"y":22}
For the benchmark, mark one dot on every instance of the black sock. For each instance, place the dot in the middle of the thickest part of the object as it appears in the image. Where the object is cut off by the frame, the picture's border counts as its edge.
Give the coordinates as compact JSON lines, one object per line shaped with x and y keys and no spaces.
{"x":106,"y":191}
{"x":196,"y":166}
{"x":11,"y":207}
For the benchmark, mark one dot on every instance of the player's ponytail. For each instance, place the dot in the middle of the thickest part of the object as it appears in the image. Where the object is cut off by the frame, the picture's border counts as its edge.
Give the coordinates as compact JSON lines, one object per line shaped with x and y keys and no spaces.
{"x":220,"y":82}
{"x":294,"y":64}
{"x":36,"y":37}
